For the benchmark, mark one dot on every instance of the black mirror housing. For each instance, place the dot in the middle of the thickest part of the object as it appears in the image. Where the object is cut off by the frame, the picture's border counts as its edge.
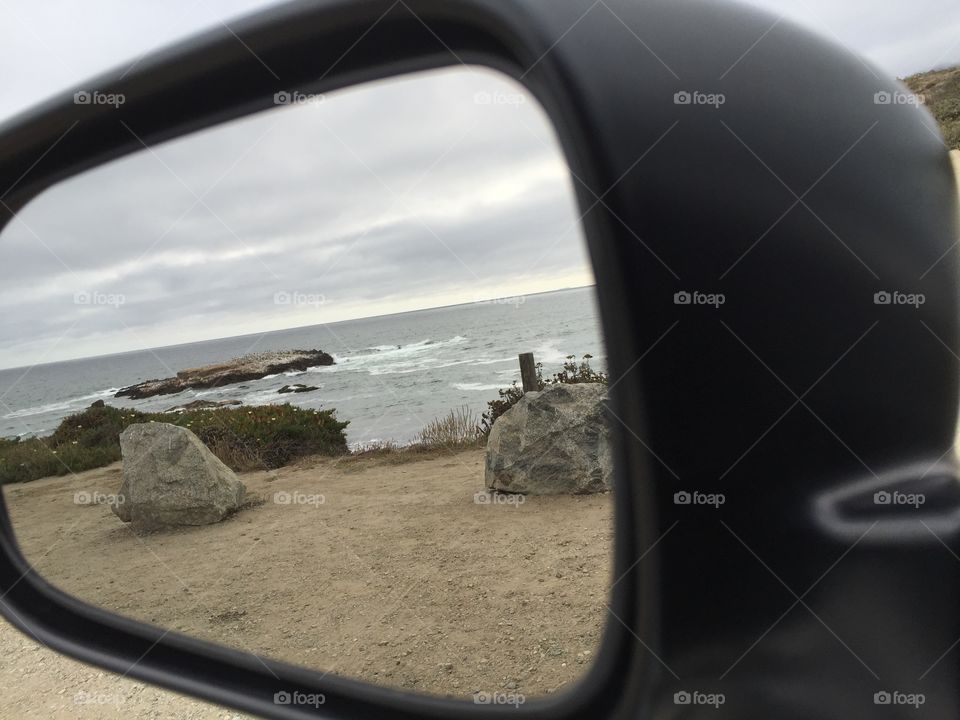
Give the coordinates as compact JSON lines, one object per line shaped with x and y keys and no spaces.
{"x":797,"y":199}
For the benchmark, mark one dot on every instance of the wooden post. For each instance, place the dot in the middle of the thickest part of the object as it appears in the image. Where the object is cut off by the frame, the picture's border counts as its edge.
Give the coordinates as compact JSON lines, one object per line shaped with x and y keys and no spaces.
{"x":528,"y":372}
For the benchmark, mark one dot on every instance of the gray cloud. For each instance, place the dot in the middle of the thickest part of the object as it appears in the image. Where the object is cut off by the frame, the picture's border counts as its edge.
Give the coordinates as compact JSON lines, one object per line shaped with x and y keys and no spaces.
{"x":400,"y":194}
{"x":901,"y":37}
{"x":449,"y":201}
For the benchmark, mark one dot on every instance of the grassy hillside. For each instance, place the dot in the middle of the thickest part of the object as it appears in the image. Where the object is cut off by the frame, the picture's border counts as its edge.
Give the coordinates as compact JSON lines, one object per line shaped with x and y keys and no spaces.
{"x":941,"y":92}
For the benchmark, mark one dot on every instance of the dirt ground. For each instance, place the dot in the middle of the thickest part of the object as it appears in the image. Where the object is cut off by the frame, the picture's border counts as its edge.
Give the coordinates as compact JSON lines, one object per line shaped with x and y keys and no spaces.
{"x":389,"y":573}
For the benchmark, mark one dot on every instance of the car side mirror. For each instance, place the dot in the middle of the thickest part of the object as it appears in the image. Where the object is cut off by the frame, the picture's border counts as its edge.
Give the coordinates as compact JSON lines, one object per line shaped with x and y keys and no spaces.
{"x":753,"y":212}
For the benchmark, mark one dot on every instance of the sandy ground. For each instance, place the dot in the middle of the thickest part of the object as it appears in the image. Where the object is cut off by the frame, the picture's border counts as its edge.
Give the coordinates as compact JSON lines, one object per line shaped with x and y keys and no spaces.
{"x":389,"y":573}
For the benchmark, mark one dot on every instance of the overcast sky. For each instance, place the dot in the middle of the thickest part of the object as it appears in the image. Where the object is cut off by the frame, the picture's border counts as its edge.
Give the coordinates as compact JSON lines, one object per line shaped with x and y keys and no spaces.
{"x":404,"y":194}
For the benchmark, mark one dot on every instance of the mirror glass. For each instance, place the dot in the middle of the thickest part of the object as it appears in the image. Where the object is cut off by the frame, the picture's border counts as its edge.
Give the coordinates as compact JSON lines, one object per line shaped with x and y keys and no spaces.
{"x":262,"y":385}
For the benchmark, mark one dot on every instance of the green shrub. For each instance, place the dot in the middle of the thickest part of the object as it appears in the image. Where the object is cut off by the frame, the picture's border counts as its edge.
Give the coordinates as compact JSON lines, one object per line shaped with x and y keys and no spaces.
{"x":572,"y":373}
{"x":253,"y":438}
{"x":441,"y":437}
{"x":35,"y":458}
{"x":508,"y":398}
{"x":455,"y":429}
{"x":265,"y":436}
{"x":97,"y":426}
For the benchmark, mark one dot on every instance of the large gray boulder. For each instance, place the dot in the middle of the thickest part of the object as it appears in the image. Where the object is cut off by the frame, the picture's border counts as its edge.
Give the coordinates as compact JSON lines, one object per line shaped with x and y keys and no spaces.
{"x":171,"y":478}
{"x":552,"y":442}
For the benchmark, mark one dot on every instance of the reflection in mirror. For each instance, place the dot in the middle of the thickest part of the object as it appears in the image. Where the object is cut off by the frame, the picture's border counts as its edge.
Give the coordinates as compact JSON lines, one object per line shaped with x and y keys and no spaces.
{"x":264,"y":387}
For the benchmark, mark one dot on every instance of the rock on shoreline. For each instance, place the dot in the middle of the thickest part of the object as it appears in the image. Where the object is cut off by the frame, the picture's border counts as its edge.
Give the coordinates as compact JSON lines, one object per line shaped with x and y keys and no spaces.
{"x":297,"y":389}
{"x":552,"y":442}
{"x":170,"y":478}
{"x":248,"y":367}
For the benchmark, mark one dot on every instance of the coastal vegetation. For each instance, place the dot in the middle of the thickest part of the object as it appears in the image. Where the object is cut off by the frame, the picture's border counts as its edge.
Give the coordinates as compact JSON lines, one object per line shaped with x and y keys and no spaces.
{"x":940,"y":90}
{"x":573,"y":373}
{"x":260,"y":437}
{"x":244,"y":438}
{"x":457,"y":430}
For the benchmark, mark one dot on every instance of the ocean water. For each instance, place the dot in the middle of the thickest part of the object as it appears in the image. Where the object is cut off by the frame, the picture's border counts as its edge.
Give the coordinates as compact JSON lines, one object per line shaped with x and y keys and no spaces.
{"x":393,"y":373}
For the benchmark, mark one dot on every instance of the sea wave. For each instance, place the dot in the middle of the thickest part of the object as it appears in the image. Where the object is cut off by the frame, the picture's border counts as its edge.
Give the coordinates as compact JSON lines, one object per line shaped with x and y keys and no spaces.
{"x":549,"y":353}
{"x":393,"y":359}
{"x":475,"y":386}
{"x":402,"y":368}
{"x":394,"y":373}
{"x":271,"y":396}
{"x":70,"y":404}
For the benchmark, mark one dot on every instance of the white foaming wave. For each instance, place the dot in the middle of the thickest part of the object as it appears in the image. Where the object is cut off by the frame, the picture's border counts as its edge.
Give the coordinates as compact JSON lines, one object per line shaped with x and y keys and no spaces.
{"x":475,"y":386}
{"x":268,"y":397}
{"x":390,"y":359}
{"x":72,"y":403}
{"x":325,"y":368}
{"x":38,"y":410}
{"x":548,"y":353}
{"x":258,"y":395}
{"x":398,"y":369}
{"x":495,"y":362}
{"x":99,"y":394}
{"x":403,"y":368}
{"x":455,"y":362}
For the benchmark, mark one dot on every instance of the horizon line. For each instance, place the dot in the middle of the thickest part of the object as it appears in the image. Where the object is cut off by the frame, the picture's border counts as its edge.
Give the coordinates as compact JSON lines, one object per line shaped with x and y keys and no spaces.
{"x":287,"y":329}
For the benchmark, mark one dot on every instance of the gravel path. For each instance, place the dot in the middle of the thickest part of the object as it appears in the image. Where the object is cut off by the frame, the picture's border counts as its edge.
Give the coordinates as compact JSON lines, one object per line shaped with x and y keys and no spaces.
{"x":36,"y":682}
{"x":397,"y":577}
